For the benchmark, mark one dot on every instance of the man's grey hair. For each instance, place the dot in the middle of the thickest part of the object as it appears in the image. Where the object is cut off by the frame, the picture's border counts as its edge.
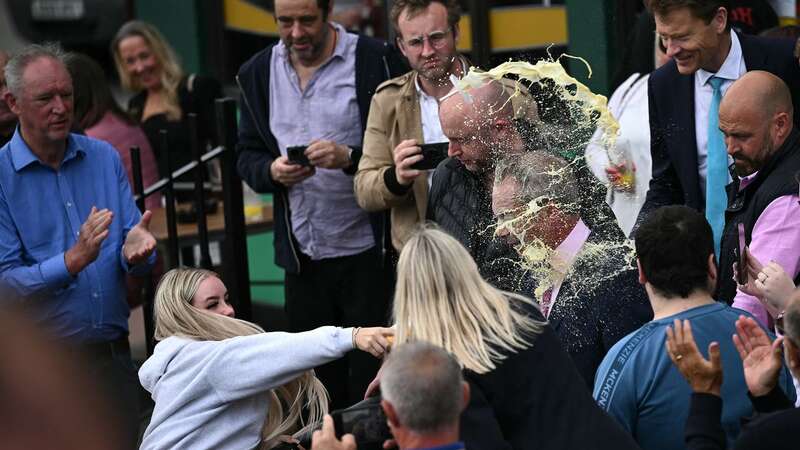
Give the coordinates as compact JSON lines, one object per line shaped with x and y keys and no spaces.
{"x":424,"y":385}
{"x":17,"y":64}
{"x":541,"y":175}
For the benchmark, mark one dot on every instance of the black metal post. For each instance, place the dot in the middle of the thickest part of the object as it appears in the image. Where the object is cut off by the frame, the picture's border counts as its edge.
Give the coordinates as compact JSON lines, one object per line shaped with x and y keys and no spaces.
{"x":481,"y":42}
{"x":199,"y":192}
{"x":147,"y":291}
{"x":237,"y":271}
{"x":169,"y":195}
{"x":138,"y":184}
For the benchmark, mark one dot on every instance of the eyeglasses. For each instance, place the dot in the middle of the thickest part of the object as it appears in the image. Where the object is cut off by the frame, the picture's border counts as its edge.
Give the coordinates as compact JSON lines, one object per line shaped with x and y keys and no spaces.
{"x":436,"y":39}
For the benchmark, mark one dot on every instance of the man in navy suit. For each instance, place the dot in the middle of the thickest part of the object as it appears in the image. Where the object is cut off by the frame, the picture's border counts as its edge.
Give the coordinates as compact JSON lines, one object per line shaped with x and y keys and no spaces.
{"x":698,"y":38}
{"x":587,"y":285}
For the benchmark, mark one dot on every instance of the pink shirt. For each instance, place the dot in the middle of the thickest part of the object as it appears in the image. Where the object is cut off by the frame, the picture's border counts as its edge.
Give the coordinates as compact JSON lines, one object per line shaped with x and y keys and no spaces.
{"x":775,"y":237}
{"x":123,"y":136}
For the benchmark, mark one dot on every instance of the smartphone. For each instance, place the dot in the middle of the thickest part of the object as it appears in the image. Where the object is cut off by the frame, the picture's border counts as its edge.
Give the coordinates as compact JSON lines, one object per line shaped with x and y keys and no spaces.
{"x":742,"y":264}
{"x":364,"y":420}
{"x":297,"y":155}
{"x":432,"y":155}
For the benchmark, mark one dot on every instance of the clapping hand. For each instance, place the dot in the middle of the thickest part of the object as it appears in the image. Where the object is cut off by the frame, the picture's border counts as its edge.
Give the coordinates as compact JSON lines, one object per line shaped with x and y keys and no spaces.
{"x":140,"y":243}
{"x":90,"y":238}
{"x":761,"y":358}
{"x":703,"y":376}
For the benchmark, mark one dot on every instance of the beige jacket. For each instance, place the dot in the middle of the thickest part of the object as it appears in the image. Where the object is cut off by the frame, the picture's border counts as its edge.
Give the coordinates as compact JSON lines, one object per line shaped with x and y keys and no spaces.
{"x":394,"y":116}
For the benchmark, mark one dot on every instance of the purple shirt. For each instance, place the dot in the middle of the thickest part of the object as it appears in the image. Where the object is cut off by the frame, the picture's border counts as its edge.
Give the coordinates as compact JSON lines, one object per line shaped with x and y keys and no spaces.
{"x":326,"y":220}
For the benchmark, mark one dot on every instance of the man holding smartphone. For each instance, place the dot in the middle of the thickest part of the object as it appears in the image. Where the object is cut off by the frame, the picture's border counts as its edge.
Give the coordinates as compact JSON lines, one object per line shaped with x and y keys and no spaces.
{"x":405,"y":114}
{"x":313,"y":90}
{"x":757,"y":121}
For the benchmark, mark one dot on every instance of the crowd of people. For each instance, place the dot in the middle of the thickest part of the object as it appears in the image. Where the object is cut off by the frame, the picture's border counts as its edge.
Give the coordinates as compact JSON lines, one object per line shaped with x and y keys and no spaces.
{"x":504,"y":295}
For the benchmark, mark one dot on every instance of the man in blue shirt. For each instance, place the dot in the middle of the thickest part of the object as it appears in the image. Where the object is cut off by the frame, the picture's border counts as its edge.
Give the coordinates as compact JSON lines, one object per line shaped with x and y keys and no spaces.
{"x":636,"y":382}
{"x":69,"y":228}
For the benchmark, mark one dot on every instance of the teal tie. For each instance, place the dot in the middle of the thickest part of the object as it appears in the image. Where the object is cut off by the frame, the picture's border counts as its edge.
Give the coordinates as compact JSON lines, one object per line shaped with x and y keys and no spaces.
{"x":717,"y":174}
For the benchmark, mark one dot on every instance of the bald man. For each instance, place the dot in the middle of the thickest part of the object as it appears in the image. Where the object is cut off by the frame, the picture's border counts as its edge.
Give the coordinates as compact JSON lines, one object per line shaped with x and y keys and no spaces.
{"x":481,"y":125}
{"x":8,"y":120}
{"x":756,"y":117}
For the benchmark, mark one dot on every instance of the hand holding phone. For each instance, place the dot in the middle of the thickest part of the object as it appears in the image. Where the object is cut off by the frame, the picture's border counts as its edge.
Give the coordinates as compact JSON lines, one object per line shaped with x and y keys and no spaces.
{"x":742,"y":262}
{"x":297,"y":155}
{"x":432,"y":155}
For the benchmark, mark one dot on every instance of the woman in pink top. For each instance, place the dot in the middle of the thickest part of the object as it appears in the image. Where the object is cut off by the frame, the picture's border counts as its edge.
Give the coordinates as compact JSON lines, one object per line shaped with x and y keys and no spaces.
{"x":100,"y":117}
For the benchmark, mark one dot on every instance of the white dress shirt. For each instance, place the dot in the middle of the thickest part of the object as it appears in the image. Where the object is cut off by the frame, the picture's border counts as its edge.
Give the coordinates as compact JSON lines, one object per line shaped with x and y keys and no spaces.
{"x":731,"y":70}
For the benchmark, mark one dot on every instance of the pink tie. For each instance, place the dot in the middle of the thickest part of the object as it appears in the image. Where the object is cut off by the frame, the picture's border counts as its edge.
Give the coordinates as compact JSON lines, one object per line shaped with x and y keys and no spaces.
{"x":545,"y":303}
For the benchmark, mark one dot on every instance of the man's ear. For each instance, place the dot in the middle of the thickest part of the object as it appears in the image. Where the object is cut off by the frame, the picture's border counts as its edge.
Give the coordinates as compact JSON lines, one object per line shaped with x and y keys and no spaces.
{"x":11,"y":101}
{"x":720,"y":20}
{"x":781,"y":125}
{"x":391,"y":414}
{"x":712,"y":271}
{"x":642,"y":278}
{"x":791,"y":355}
{"x":465,"y":394}
{"x":456,"y":33}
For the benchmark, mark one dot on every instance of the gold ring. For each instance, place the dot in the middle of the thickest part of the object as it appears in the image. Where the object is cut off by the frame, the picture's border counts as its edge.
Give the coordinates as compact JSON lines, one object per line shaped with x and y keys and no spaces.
{"x":678,"y":357}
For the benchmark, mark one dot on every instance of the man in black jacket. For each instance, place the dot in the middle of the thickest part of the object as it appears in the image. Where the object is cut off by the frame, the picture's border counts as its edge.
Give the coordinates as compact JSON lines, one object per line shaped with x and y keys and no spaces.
{"x":313,"y":90}
{"x":588,"y":289}
{"x":757,"y":120}
{"x":481,"y":125}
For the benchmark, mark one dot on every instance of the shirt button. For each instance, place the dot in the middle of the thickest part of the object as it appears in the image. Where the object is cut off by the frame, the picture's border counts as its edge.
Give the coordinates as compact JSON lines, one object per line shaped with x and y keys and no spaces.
{"x":69,"y":204}
{"x":96,"y":295}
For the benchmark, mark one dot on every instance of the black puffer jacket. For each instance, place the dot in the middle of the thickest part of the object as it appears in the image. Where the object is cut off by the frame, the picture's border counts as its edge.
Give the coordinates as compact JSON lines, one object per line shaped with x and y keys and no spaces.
{"x":461,"y":205}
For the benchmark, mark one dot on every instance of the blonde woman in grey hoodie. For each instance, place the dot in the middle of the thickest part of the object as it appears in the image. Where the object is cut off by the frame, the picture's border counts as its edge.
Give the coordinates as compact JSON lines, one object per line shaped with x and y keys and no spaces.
{"x":223,"y":383}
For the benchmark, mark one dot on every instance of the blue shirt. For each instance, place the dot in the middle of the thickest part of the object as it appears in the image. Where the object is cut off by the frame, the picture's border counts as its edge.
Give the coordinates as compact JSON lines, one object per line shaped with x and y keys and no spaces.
{"x":639,"y":386}
{"x":326,"y":220}
{"x":41,"y":212}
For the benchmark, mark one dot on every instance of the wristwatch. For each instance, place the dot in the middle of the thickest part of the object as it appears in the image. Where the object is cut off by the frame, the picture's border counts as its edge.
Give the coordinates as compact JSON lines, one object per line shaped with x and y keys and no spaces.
{"x":350,"y":154}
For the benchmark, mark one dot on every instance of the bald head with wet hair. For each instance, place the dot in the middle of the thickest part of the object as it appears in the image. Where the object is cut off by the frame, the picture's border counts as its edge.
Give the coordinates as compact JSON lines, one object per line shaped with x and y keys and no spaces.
{"x":480,"y":121}
{"x":756,"y":116}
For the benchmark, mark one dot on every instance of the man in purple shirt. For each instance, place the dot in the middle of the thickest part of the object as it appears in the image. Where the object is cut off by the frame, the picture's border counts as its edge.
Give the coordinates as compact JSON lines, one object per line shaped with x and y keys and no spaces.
{"x":756,"y":118}
{"x":313,"y":90}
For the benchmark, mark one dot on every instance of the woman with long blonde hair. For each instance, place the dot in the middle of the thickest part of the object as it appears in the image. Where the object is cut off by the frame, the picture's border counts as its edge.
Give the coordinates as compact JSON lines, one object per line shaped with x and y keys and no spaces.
{"x":525,"y":391}
{"x":223,"y":383}
{"x":164,"y":94}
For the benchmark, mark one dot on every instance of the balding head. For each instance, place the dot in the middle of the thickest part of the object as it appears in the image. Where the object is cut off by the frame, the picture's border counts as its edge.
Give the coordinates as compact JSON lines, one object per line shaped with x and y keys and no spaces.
{"x":761,"y":91}
{"x":756,"y":116}
{"x":480,"y":122}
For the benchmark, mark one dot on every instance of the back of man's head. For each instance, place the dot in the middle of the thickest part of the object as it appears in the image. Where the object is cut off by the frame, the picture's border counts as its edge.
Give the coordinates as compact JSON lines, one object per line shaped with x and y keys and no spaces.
{"x":673,"y":247}
{"x":424,"y":385}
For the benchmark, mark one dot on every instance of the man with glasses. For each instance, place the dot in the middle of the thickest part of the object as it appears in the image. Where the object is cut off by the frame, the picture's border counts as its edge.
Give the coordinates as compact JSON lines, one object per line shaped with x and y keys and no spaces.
{"x":688,"y":152}
{"x":405,"y":114}
{"x":312,"y":90}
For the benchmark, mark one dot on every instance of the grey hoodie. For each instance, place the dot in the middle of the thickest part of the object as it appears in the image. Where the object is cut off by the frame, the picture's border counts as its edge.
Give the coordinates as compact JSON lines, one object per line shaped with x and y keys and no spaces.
{"x":213,"y":394}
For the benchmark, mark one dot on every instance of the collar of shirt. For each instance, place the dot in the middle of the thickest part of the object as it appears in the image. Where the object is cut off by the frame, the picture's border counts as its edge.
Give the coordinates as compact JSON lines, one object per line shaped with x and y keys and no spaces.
{"x":338,"y":51}
{"x":22,"y":156}
{"x":732,"y":68}
{"x":744,"y":181}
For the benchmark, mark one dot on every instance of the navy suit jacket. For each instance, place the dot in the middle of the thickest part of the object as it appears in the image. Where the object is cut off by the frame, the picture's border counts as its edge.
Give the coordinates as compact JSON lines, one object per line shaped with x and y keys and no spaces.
{"x":599,"y":303}
{"x":673,"y":141}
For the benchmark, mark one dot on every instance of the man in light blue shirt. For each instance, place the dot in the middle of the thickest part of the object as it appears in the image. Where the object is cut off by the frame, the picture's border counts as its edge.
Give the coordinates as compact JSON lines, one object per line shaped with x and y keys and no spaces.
{"x":69,"y":228}
{"x":637,"y":383}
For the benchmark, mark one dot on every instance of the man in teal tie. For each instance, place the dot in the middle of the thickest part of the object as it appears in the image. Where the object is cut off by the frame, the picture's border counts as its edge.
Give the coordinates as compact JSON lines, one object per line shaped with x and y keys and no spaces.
{"x":690,"y":166}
